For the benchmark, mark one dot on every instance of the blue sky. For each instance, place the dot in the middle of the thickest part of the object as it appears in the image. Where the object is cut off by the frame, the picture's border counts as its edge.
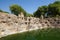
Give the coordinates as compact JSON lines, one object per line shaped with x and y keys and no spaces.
{"x":29,"y":5}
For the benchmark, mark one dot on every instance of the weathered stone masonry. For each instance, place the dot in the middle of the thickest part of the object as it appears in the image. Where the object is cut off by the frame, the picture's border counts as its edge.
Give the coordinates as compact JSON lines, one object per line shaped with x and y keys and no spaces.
{"x":10,"y":23}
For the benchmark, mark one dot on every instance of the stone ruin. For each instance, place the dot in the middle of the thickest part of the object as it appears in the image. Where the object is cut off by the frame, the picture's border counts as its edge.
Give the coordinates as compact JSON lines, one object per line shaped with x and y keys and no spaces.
{"x":10,"y":23}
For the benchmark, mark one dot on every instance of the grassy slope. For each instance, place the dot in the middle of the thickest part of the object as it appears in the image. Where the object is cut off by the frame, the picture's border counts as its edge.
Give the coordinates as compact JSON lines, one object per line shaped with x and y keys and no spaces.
{"x":44,"y":34}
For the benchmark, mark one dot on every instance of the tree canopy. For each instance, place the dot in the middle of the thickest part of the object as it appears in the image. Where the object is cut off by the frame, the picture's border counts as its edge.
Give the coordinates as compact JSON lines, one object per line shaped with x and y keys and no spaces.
{"x":16,"y":9}
{"x":29,"y":15}
{"x":52,"y":10}
{"x":40,"y":11}
{"x":3,"y":11}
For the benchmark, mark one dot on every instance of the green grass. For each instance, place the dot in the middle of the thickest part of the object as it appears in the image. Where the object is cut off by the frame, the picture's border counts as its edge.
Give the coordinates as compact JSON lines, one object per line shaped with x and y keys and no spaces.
{"x":44,"y":34}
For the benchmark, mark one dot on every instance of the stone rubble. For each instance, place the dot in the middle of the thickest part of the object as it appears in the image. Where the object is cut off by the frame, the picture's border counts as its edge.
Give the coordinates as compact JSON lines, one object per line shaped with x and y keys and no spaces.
{"x":10,"y":23}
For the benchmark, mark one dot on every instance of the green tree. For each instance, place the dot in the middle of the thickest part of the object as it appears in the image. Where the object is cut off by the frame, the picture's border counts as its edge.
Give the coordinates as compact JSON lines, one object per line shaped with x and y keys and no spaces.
{"x":16,"y":9}
{"x":41,"y":11}
{"x":1,"y":10}
{"x":54,"y":9}
{"x":29,"y":15}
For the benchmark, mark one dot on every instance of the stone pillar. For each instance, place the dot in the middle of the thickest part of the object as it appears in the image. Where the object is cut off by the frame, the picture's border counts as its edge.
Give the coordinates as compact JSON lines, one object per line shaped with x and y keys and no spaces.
{"x":21,"y":16}
{"x":41,"y":16}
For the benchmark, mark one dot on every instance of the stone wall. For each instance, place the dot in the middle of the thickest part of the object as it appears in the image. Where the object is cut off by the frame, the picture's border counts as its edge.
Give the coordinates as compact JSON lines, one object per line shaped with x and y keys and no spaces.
{"x":10,"y":23}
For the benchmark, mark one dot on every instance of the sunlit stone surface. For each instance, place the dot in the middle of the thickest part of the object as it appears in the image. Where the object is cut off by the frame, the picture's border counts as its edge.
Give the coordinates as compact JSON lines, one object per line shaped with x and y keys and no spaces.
{"x":10,"y":24}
